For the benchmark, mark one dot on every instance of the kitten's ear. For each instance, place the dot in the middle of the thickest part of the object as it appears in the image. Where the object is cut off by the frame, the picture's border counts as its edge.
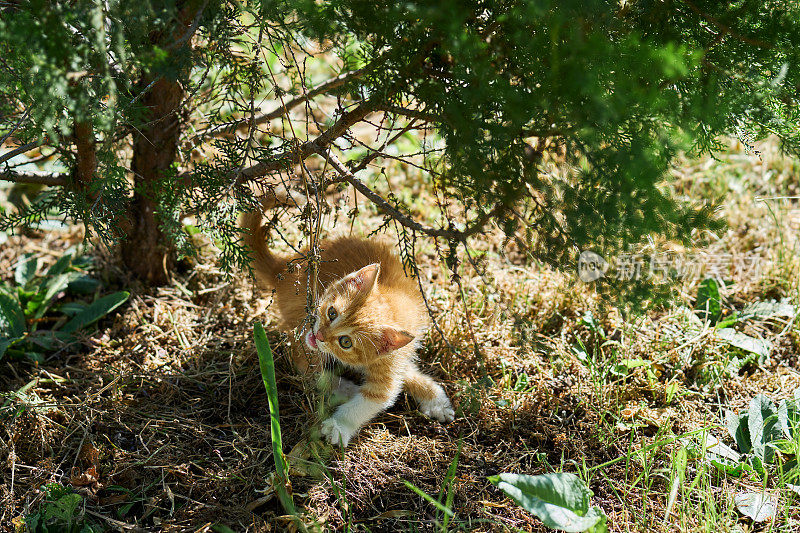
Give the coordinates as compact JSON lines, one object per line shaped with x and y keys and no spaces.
{"x":393,"y":339}
{"x":364,"y":279}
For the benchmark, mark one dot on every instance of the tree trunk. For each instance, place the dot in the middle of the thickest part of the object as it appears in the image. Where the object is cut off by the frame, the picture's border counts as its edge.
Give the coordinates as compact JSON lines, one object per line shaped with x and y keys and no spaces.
{"x":145,"y":251}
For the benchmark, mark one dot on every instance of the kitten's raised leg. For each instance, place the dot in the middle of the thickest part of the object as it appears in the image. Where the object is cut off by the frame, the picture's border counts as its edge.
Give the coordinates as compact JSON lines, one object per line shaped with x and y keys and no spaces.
{"x":340,"y":388}
{"x":432,"y":399}
{"x":373,"y":396}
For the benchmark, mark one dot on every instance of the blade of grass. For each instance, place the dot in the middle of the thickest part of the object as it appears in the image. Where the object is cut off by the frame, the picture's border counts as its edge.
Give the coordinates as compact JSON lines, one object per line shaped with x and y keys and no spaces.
{"x":267,"y":366}
{"x":447,"y":486}
{"x":429,"y":499}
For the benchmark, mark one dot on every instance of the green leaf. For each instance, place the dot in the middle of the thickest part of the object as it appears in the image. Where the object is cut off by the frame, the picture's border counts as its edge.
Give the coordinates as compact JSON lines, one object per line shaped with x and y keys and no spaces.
{"x":717,"y":450}
{"x":12,"y":319}
{"x":95,"y":311}
{"x":732,"y":469}
{"x":60,"y":265}
{"x":560,"y":501}
{"x":83,"y":284}
{"x":5,"y":342}
{"x":52,"y":287}
{"x":783,"y":419}
{"x":763,"y":426}
{"x":50,"y":340}
{"x":756,"y":505}
{"x":744,"y":342}
{"x":768,"y":309}
{"x":708,"y":303}
{"x":64,"y":508}
{"x":738,"y":430}
{"x":72,"y":308}
{"x":26,"y":269}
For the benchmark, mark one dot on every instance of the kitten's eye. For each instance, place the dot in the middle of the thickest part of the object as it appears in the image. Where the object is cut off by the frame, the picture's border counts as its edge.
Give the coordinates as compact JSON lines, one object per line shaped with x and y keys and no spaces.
{"x":345,"y":342}
{"x":332,"y":314}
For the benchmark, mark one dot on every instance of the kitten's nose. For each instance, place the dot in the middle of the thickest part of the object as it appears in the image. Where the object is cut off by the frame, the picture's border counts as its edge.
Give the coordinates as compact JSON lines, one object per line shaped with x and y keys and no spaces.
{"x":320,"y":336}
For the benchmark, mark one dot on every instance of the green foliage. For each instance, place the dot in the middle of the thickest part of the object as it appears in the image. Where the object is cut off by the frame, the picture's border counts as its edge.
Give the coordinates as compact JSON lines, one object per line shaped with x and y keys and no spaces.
{"x":60,"y":512}
{"x":560,"y":500}
{"x":766,"y":435}
{"x":618,"y":88}
{"x":52,"y":300}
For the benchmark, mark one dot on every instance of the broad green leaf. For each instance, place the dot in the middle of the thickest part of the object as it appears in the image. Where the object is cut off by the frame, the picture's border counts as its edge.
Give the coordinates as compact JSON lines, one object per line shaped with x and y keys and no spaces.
{"x":783,"y":419}
{"x":26,"y":269}
{"x":72,"y":308}
{"x":717,"y":450}
{"x":763,"y":426}
{"x":5,"y":342}
{"x":560,"y":501}
{"x":60,"y":265}
{"x":756,"y":505}
{"x":707,"y":304}
{"x":95,"y":311}
{"x":64,"y":508}
{"x":747,"y":343}
{"x":12,"y":319}
{"x":738,"y":430}
{"x":767,"y":309}
{"x":732,"y":469}
{"x":52,"y":287}
{"x":83,"y":284}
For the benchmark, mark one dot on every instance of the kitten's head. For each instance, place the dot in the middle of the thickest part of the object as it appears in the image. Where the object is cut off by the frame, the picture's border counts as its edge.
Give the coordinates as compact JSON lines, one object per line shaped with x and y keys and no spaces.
{"x":351,"y":325}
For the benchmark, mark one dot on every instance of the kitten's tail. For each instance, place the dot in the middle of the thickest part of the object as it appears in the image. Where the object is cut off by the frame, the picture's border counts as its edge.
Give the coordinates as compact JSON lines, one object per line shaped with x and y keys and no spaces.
{"x":266,"y":266}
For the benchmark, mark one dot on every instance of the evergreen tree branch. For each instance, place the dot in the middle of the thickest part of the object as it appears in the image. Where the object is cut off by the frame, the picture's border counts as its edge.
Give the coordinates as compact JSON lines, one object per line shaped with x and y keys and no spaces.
{"x":418,"y":114}
{"x":329,"y":85}
{"x":284,"y":109}
{"x":725,"y":29}
{"x":34,"y":176}
{"x":306,"y":149}
{"x":388,"y":209}
{"x":19,"y":150}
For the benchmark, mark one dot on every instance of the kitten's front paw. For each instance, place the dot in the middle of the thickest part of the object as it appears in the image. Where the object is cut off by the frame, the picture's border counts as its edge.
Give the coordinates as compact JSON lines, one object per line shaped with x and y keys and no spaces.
{"x":346,"y":388}
{"x":336,"y":432}
{"x":439,"y":408}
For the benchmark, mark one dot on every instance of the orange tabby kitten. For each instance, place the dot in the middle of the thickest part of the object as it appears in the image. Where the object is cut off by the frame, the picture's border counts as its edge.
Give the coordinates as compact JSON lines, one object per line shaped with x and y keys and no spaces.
{"x":369,"y":316}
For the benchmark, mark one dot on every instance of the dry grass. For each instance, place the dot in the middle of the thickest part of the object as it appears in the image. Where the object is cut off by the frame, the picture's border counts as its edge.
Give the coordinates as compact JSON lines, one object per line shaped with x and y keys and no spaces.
{"x":160,"y":419}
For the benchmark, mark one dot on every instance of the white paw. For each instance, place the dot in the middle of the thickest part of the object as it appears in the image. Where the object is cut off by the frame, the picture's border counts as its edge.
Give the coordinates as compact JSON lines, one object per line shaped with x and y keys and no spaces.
{"x":336,"y":432}
{"x":439,"y":408}
{"x":346,"y":388}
